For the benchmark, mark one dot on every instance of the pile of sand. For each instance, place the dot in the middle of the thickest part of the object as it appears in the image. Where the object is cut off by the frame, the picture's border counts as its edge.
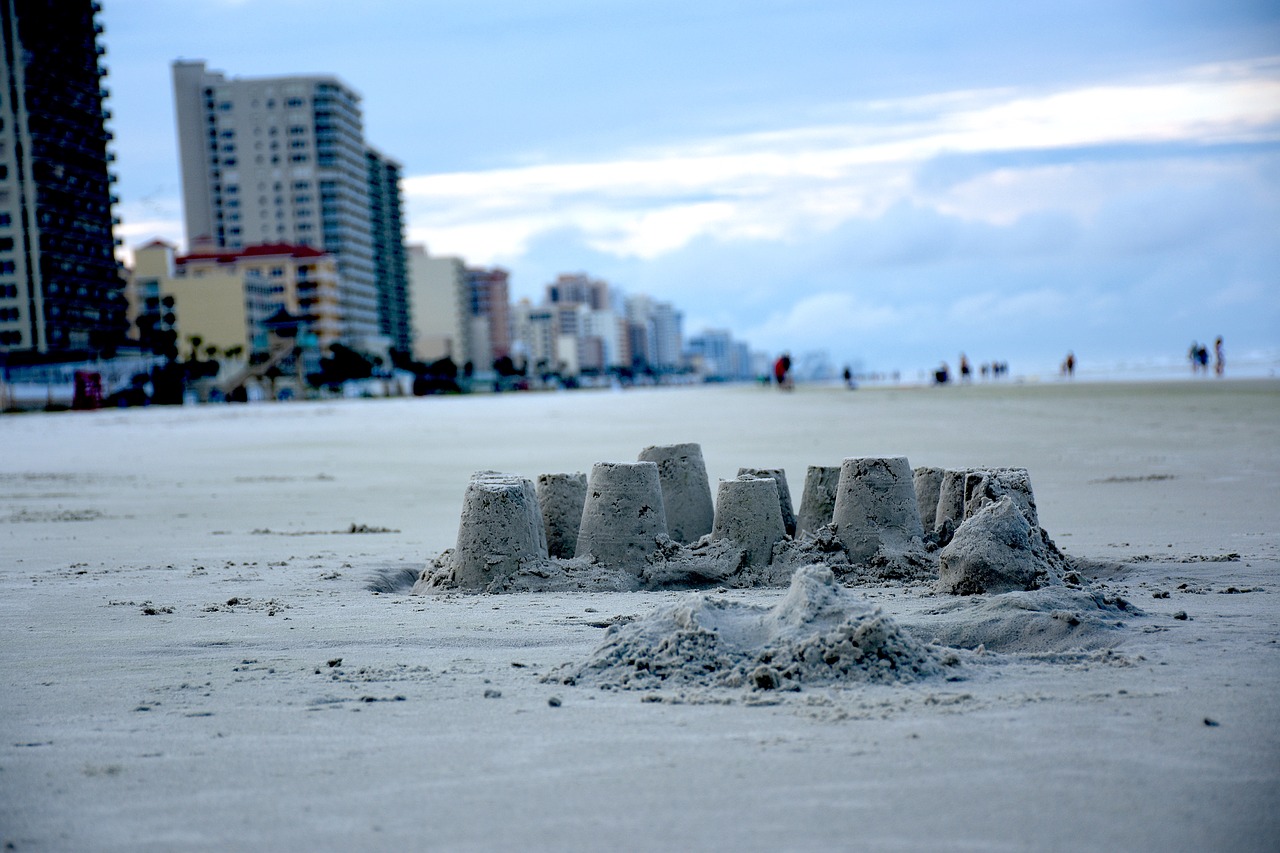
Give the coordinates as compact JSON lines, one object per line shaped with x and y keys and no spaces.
{"x":1045,"y":621}
{"x":820,"y":633}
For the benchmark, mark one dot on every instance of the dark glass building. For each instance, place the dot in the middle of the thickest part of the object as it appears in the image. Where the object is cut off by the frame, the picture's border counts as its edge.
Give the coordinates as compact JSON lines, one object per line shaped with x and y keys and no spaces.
{"x":390,"y":266}
{"x":61,"y":292}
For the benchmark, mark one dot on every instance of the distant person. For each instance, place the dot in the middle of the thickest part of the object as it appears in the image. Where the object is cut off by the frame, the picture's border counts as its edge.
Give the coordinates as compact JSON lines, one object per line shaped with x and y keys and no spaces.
{"x":848,"y":377}
{"x":1193,"y":355}
{"x":965,"y":372}
{"x":1202,"y":357}
{"x":942,"y":375}
{"x":1219,"y":361}
{"x":1069,"y":365}
{"x":782,"y":371}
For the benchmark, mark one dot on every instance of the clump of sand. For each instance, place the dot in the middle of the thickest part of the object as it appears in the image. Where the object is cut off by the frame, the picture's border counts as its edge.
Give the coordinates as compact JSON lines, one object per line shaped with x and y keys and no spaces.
{"x":1046,"y":621}
{"x":820,"y":634}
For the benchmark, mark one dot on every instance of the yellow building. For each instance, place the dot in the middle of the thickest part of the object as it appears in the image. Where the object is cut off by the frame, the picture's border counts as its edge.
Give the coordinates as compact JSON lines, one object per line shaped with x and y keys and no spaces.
{"x":224,"y":298}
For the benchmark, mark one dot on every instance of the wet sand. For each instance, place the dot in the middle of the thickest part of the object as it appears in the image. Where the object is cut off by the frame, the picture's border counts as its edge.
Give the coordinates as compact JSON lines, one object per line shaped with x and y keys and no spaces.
{"x":191,"y":658}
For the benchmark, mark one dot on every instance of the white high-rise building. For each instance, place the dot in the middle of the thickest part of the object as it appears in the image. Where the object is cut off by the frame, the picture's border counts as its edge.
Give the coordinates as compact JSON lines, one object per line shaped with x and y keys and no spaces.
{"x":659,"y":332}
{"x":281,"y":160}
{"x":439,"y":305}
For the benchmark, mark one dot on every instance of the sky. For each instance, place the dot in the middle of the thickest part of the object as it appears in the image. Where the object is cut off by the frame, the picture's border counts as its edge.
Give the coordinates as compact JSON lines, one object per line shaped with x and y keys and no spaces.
{"x":889,"y":183}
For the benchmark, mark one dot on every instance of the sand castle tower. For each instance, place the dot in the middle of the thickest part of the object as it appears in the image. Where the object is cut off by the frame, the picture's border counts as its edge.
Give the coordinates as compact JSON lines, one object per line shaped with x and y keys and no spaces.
{"x":875,"y":508}
{"x":779,"y":476}
{"x":951,"y":498}
{"x":562,"y":497}
{"x":749,"y":515}
{"x":928,"y":485}
{"x":686,"y":492}
{"x":818,"y":501}
{"x":623,"y":515}
{"x":501,"y":527}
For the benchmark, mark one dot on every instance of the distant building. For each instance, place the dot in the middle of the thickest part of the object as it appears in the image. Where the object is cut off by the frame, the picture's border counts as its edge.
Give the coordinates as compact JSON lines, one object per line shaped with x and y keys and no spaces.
{"x":225,"y":299}
{"x":60,"y":286}
{"x":439,"y":307}
{"x":489,"y":307}
{"x":283,"y":160}
{"x":715,"y":355}
{"x":578,"y":289}
{"x":536,"y":339}
{"x":655,"y":330}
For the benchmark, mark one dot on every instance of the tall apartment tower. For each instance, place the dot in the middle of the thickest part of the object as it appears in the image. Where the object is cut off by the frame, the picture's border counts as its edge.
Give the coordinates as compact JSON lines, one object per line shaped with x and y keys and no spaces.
{"x":60,"y":287}
{"x":283,"y":160}
{"x":390,"y":263}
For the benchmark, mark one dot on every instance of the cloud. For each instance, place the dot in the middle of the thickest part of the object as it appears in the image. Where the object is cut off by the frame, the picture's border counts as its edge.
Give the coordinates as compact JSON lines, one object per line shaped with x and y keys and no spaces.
{"x":784,"y":184}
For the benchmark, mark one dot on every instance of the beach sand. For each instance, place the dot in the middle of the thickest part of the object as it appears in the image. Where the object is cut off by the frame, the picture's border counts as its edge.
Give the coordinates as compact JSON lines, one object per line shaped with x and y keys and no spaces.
{"x":191,"y":657}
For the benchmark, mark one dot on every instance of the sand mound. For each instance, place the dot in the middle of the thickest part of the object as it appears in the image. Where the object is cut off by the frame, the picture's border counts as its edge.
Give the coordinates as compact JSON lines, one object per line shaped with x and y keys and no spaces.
{"x":1043,"y":621}
{"x":531,"y":575}
{"x":820,"y":633}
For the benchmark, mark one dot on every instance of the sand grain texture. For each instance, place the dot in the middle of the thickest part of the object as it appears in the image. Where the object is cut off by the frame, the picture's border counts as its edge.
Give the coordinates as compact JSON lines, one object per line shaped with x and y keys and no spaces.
{"x":191,"y":657}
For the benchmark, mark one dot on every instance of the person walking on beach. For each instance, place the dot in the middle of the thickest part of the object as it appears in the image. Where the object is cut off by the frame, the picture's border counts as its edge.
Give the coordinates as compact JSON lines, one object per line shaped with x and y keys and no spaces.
{"x":1069,"y":365}
{"x":1219,"y":360}
{"x":782,"y":371}
{"x":965,"y":373}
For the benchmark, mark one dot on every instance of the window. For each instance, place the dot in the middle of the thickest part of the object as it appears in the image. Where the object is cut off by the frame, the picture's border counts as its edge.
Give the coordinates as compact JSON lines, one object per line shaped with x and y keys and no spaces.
{"x":8,"y":268}
{"x":298,"y":158}
{"x":6,"y":244}
{"x":5,"y":220}
{"x":277,"y":272}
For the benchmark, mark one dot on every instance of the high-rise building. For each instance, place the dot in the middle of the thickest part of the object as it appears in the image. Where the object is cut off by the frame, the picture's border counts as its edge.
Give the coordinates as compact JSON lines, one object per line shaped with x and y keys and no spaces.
{"x":490,"y":309}
{"x":390,"y":267}
{"x":60,"y":286}
{"x":656,"y":333}
{"x":283,"y":160}
{"x":440,"y":305}
{"x":578,"y":289}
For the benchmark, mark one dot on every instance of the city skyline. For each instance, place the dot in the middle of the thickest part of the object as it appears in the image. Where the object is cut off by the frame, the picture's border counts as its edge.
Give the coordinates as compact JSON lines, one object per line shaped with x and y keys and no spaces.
{"x":892,"y":186}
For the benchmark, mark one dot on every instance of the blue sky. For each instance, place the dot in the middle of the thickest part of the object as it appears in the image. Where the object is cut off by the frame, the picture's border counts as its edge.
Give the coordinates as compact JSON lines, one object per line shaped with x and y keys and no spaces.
{"x":892,"y":183}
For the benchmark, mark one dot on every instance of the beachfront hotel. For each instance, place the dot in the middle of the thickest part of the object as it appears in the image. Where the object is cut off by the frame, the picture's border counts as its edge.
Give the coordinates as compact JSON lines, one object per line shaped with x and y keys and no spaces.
{"x":283,"y":160}
{"x":228,"y":299}
{"x":60,"y":285}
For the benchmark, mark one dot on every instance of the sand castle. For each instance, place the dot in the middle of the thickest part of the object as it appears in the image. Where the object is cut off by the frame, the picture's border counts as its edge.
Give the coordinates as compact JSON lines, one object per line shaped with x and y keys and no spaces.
{"x":652,"y":524}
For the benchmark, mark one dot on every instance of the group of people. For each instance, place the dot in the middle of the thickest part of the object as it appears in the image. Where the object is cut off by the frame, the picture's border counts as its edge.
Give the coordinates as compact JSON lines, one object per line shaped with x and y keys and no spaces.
{"x":1198,"y":355}
{"x":991,"y":369}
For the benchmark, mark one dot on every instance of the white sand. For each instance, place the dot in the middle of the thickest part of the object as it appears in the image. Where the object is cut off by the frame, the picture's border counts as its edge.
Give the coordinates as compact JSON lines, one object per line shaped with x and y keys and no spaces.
{"x":216,"y":726}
